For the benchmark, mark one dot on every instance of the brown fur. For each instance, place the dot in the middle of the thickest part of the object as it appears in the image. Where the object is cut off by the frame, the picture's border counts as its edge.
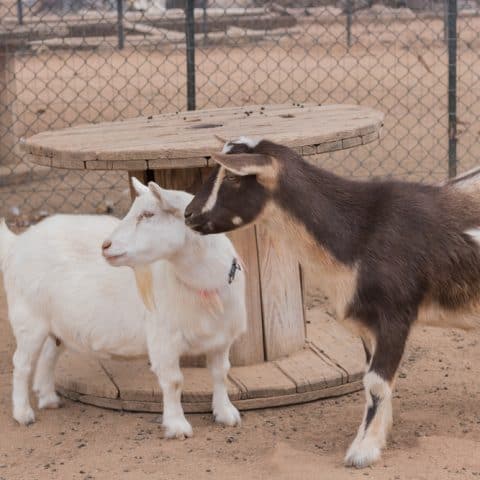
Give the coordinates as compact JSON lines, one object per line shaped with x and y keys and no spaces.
{"x":388,"y":253}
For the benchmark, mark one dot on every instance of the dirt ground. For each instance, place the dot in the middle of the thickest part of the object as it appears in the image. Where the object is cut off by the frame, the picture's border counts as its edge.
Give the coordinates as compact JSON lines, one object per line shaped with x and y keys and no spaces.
{"x":436,"y":434}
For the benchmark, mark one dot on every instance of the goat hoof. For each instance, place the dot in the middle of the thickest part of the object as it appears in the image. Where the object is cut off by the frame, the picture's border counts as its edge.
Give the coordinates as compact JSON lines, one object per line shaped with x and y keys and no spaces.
{"x":25,"y":416}
{"x":362,"y":454}
{"x":51,"y":400}
{"x":227,"y":416}
{"x":179,"y":429}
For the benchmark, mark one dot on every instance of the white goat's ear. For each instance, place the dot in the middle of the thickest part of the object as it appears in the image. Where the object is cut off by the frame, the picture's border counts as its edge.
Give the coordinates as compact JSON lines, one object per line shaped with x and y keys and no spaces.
{"x":247,"y":163}
{"x":138,"y":186}
{"x":162,"y":196}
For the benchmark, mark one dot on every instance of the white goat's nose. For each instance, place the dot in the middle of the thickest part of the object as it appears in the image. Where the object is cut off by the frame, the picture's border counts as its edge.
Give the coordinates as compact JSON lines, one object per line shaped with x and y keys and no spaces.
{"x":106,"y":244}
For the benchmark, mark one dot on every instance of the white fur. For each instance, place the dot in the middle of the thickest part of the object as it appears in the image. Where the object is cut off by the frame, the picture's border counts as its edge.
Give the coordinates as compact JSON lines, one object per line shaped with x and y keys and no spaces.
{"x":58,"y":285}
{"x":212,"y":199}
{"x":245,"y":140}
{"x":367,"y":446}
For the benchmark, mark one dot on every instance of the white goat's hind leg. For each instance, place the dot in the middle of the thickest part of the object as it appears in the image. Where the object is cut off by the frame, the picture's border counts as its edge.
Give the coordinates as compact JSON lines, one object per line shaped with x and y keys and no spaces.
{"x":44,"y":379}
{"x":223,"y":410}
{"x":29,"y":344}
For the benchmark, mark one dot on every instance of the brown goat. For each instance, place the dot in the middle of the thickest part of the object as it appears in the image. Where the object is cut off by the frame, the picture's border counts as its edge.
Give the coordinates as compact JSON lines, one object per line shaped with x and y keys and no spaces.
{"x":389,"y":253}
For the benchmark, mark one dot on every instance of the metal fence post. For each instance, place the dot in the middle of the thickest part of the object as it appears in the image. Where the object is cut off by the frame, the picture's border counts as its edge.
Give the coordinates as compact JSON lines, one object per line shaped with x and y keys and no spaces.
{"x":120,"y":30}
{"x":190,"y":42}
{"x":349,"y":23}
{"x":452,"y":87}
{"x":204,"y":21}
{"x":20,"y":12}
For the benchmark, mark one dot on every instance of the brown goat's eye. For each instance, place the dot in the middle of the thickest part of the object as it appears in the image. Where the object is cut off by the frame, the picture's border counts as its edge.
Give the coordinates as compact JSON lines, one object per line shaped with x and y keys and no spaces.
{"x":231,"y":177}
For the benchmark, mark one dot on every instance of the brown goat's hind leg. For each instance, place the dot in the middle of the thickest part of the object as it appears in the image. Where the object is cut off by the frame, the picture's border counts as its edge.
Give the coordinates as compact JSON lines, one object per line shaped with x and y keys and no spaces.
{"x":378,"y":382}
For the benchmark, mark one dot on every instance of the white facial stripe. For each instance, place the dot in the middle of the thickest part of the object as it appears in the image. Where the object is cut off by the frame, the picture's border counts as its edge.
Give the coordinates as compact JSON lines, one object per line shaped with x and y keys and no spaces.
{"x":249,"y":142}
{"x":212,"y":199}
{"x":237,"y":220}
{"x":227,"y":147}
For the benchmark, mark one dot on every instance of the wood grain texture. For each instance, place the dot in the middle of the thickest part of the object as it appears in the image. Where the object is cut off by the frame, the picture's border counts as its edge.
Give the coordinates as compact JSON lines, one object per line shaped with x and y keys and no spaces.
{"x":135,"y":381}
{"x":333,"y":340}
{"x":188,"y":137}
{"x":248,"y":349}
{"x":85,"y":375}
{"x":205,"y":407}
{"x":282,"y":298}
{"x":262,"y":380}
{"x":304,"y":376}
{"x":309,"y":371}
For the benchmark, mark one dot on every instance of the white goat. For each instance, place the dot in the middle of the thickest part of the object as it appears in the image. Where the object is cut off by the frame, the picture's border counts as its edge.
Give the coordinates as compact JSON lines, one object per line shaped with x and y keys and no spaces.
{"x":62,"y":293}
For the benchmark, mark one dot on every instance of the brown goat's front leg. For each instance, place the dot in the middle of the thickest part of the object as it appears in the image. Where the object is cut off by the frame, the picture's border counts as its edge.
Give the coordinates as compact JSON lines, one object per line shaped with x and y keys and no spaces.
{"x":379,"y":383}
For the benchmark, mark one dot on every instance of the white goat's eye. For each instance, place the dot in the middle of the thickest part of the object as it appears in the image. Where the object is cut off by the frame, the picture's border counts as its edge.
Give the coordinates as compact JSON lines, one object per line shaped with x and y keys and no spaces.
{"x":145,"y":215}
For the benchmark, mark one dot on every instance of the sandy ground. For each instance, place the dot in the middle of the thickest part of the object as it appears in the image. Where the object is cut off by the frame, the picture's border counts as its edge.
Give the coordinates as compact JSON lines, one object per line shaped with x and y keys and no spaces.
{"x":436,"y":431}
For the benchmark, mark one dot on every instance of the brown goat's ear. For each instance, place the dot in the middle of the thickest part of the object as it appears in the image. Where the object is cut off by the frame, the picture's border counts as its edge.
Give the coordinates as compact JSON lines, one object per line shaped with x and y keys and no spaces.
{"x":247,"y":163}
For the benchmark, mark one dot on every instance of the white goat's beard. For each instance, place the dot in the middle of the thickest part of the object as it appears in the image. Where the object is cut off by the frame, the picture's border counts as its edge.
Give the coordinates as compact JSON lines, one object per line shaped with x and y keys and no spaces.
{"x":210,"y":299}
{"x":144,"y":281}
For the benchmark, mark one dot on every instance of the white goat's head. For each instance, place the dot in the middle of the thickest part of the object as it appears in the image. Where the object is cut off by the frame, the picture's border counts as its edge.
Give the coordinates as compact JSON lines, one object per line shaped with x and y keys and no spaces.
{"x":152,"y":230}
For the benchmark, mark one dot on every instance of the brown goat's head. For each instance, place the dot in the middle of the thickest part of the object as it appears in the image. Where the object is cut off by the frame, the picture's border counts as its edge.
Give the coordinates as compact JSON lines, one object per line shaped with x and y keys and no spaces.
{"x":237,"y":191}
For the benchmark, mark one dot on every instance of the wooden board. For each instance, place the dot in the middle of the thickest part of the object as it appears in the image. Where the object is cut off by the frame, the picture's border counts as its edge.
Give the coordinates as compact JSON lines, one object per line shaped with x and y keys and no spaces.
{"x":248,"y":349}
{"x":83,"y":374}
{"x":135,"y":381}
{"x":329,"y":338}
{"x":304,"y":376}
{"x":309,"y":371}
{"x":133,"y":144}
{"x":282,"y":299}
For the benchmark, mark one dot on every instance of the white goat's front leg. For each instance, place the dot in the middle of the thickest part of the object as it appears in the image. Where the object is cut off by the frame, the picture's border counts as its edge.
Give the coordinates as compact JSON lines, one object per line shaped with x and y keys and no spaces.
{"x":29,"y":343}
{"x":164,"y":352}
{"x":44,"y":379}
{"x":223,"y":409}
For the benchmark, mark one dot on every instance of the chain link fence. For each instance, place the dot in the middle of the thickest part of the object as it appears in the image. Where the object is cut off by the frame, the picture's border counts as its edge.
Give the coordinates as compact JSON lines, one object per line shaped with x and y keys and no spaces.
{"x":68,"y":62}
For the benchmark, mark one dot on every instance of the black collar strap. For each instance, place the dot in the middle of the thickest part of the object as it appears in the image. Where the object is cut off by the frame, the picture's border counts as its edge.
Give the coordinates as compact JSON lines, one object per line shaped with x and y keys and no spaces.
{"x":233,"y":270}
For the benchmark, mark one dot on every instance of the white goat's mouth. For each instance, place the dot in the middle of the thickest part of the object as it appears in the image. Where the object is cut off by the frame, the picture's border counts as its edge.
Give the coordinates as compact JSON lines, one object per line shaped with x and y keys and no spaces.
{"x":114,"y":258}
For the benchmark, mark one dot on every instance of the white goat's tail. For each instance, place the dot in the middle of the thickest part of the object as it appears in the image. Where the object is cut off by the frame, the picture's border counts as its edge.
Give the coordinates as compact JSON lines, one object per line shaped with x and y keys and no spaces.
{"x":6,"y":240}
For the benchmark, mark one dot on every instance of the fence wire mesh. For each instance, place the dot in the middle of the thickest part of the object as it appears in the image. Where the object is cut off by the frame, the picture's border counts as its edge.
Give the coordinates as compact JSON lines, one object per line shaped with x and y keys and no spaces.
{"x":68,"y":62}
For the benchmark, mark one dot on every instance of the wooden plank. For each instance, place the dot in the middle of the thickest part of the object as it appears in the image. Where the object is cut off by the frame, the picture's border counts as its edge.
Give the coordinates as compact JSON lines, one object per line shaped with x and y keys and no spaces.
{"x":205,"y":407}
{"x":248,"y":349}
{"x":85,"y":375}
{"x":309,"y":371}
{"x":282,"y":300}
{"x":135,"y":381}
{"x":262,"y":380}
{"x":186,"y":179}
{"x":190,"y":135}
{"x":336,"y":342}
